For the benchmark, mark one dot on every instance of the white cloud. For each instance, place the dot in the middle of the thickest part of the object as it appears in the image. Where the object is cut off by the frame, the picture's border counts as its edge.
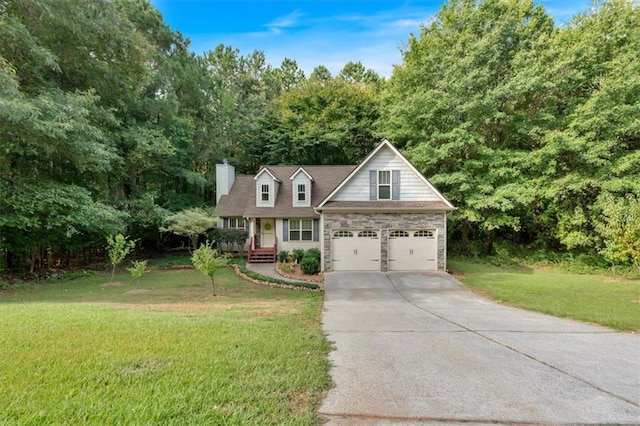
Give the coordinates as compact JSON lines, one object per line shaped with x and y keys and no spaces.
{"x":287,"y":21}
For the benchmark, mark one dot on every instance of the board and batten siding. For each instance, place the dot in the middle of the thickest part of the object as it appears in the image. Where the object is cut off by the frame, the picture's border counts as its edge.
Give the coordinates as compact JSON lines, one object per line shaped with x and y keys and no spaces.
{"x":412,"y":188}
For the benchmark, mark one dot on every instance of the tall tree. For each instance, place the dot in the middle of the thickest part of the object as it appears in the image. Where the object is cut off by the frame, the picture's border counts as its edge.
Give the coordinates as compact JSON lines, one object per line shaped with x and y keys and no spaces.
{"x":589,"y":76}
{"x":449,"y":106}
{"x":319,"y":122}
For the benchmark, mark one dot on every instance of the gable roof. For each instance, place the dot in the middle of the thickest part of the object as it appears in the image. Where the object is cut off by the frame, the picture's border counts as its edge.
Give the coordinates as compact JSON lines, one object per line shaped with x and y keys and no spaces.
{"x":301,"y":170}
{"x":442,"y":204}
{"x":241,"y":200}
{"x":265,"y":169}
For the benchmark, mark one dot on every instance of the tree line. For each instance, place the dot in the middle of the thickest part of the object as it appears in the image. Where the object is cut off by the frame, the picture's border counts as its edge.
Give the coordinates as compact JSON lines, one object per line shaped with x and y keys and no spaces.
{"x":109,"y":123}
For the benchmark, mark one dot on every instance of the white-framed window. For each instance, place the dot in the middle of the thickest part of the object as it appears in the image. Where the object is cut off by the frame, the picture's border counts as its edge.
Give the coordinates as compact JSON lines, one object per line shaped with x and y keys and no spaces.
{"x":236,"y":223}
{"x":398,"y":234}
{"x":367,"y":234}
{"x":300,"y":229}
{"x":423,"y":234}
{"x":264,"y":190}
{"x":302,"y":192}
{"x":343,"y":234}
{"x":384,"y":184}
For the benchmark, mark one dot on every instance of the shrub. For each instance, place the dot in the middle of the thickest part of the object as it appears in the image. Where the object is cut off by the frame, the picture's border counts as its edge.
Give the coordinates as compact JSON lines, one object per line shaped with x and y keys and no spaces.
{"x":287,"y":268}
{"x":283,"y":255}
{"x":297,"y":254}
{"x":138,"y":270}
{"x":311,"y":262}
{"x":257,"y":276}
{"x":313,"y":252}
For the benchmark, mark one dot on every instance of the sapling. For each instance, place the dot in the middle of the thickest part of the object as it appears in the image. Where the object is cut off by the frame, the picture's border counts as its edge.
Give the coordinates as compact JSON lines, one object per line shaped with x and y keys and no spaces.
{"x":118,"y":248}
{"x":208,"y":260}
{"x":138,"y":269}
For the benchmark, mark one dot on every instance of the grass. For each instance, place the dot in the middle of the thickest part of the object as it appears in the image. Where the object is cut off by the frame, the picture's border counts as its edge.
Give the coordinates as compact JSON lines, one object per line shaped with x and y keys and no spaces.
{"x":77,"y":352}
{"x":587,"y":297}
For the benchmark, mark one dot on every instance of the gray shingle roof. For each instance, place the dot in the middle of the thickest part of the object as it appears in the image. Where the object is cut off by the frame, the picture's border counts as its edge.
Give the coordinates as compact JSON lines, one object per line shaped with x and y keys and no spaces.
{"x":241,"y":200}
{"x":234,"y":204}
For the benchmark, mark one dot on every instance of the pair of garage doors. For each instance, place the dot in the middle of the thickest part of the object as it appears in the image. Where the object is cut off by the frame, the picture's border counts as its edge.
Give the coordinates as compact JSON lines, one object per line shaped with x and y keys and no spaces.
{"x":360,"y":250}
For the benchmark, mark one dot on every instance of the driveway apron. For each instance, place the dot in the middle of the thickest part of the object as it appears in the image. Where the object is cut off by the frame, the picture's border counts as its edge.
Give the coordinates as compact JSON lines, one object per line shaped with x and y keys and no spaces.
{"x":417,"y":348}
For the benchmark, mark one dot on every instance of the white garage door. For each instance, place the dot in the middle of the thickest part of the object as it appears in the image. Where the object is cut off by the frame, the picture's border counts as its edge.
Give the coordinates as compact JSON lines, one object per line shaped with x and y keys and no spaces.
{"x":413,"y":250}
{"x":355,"y":250}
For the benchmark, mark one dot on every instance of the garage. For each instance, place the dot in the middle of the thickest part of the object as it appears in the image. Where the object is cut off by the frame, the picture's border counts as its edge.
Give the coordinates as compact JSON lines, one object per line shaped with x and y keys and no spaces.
{"x":413,"y":250}
{"x":355,"y":250}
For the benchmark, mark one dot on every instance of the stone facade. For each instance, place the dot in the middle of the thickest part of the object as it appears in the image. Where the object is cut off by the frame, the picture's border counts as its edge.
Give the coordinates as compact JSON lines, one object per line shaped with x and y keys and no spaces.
{"x":384,"y":222}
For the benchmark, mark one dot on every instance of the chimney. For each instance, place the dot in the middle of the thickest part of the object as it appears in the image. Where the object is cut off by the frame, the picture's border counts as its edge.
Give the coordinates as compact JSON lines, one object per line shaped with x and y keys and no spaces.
{"x":225,"y":176}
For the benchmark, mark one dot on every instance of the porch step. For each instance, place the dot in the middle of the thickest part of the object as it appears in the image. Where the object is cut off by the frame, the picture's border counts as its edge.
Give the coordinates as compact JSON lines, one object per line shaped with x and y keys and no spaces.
{"x":263,"y":256}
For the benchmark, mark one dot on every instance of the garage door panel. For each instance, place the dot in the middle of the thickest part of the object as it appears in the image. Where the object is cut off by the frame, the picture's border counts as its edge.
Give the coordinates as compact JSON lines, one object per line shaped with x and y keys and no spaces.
{"x":355,"y":250}
{"x":413,"y":250}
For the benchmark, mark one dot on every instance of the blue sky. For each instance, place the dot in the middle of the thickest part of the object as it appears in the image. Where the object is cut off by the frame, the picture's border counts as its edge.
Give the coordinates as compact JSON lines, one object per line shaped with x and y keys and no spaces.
{"x":312,"y":32}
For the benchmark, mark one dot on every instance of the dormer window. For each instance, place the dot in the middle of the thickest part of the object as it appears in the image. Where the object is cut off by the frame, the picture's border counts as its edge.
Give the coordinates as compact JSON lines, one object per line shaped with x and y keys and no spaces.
{"x":302,"y":192}
{"x":301,"y":182}
{"x":384,"y":184}
{"x":264,"y":190}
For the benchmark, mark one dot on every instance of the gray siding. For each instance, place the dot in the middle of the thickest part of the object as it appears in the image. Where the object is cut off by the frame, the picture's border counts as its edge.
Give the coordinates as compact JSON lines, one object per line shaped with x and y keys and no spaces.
{"x":412,"y":187}
{"x":385,"y":222}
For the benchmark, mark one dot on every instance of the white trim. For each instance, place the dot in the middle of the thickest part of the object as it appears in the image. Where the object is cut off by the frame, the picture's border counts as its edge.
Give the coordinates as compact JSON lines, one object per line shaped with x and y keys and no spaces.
{"x":301,"y":169}
{"x":265,"y":169}
{"x":385,"y":143}
{"x":378,"y":184}
{"x":300,"y":230}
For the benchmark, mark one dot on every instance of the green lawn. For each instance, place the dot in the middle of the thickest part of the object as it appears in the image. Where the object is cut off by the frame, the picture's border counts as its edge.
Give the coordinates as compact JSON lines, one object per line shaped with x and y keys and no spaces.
{"x":78,"y":352}
{"x":591,"y":298}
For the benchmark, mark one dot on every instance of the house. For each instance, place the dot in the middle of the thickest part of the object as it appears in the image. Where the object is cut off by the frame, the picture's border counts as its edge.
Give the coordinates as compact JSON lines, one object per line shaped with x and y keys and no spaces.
{"x":381,"y":215}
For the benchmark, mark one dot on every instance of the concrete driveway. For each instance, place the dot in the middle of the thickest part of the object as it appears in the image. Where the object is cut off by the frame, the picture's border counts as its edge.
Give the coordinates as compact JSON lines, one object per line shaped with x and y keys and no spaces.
{"x":417,"y":348}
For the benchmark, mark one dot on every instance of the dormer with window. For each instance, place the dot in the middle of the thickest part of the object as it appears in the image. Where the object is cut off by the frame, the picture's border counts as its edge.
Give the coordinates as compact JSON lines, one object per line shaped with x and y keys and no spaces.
{"x":301,"y":182}
{"x":267,"y":185}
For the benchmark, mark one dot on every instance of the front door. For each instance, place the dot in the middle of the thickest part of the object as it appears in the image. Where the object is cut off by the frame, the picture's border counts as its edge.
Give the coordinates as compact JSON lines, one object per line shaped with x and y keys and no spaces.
{"x":267,"y":232}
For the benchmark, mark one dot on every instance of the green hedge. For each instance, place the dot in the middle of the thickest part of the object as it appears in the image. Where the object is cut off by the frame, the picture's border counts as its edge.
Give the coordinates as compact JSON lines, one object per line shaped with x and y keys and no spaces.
{"x":243,"y":268}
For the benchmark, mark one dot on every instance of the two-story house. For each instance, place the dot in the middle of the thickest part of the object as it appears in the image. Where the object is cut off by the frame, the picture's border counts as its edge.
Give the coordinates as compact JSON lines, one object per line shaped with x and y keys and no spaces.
{"x":381,"y":215}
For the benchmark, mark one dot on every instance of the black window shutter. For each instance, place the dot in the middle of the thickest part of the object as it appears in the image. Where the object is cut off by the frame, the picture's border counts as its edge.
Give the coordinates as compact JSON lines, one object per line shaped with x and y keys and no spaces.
{"x":285,"y":229}
{"x":373,"y":184}
{"x":225,"y":222}
{"x":316,"y":229}
{"x":395,"y":184}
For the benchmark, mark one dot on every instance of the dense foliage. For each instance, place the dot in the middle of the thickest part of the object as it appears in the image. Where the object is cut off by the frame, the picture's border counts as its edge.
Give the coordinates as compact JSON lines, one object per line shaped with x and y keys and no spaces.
{"x":523,"y":125}
{"x":109,"y":123}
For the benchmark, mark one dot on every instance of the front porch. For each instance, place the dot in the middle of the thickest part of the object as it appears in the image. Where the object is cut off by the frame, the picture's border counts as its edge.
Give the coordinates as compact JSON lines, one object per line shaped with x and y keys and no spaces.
{"x":261,"y":254}
{"x":263,"y":244}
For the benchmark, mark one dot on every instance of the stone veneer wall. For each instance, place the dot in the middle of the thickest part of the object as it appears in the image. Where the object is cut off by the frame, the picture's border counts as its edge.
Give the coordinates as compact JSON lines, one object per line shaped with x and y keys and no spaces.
{"x":384,"y":222}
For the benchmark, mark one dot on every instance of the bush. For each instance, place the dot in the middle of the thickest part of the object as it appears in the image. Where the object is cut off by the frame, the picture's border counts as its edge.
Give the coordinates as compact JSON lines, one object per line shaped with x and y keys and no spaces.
{"x":311,"y":262}
{"x":260,"y":277}
{"x":314,"y":252}
{"x":297,"y":254}
{"x":283,"y":255}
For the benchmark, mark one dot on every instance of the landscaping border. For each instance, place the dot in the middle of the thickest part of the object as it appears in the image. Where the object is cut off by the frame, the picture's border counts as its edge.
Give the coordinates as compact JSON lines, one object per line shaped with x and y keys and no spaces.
{"x":256,"y":278}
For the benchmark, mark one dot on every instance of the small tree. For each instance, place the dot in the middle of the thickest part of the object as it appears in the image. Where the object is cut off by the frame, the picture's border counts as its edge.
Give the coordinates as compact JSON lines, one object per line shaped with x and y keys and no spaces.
{"x":118,"y":248}
{"x":208,"y":260}
{"x":190,"y":223}
{"x":138,"y":270}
